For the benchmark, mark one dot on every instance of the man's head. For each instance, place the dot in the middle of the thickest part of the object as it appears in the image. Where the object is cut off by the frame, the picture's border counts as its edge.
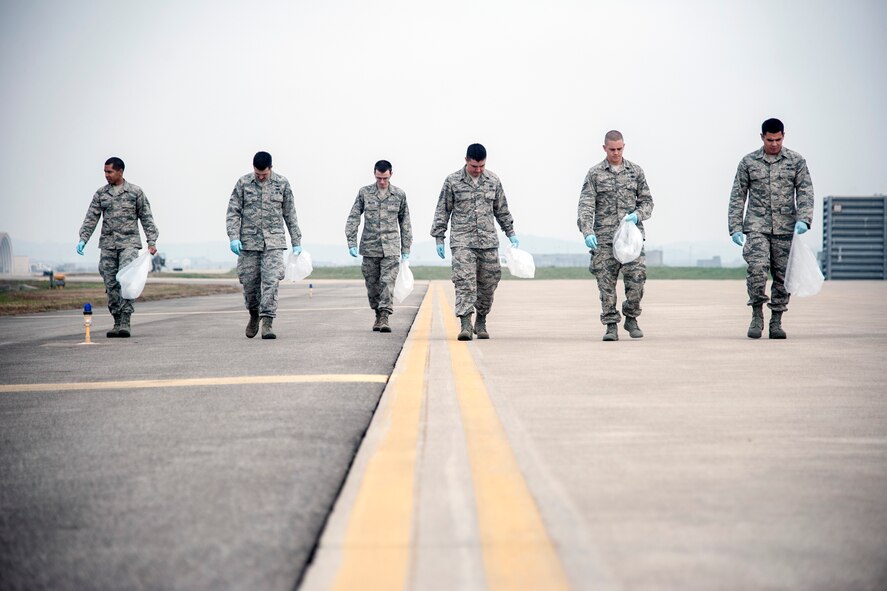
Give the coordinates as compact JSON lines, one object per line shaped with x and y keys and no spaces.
{"x":613,"y":146}
{"x":772,"y":134}
{"x":114,"y":170}
{"x":262,"y":166}
{"x":382,"y":171}
{"x":475,"y":159}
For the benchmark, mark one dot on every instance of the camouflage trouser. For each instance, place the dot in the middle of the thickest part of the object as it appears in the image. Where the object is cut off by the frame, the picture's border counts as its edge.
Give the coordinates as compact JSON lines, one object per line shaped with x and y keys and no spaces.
{"x":110,"y":261}
{"x":380,"y":274}
{"x":476,"y":274}
{"x":605,"y":268}
{"x":260,"y":272}
{"x":763,"y":253}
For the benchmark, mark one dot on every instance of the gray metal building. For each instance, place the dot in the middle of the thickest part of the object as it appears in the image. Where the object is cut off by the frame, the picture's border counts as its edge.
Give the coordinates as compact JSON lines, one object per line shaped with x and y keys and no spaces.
{"x":854,"y":235}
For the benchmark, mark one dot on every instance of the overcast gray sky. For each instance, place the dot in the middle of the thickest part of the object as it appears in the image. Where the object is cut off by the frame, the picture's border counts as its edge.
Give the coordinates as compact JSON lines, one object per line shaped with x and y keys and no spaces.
{"x":186,"y":92}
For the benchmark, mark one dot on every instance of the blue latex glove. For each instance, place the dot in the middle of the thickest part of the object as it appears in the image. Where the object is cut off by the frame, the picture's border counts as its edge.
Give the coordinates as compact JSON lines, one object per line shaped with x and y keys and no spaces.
{"x":80,"y":246}
{"x":352,"y":250}
{"x":591,"y":241}
{"x":801,"y":227}
{"x":738,"y":238}
{"x":236,"y":245}
{"x":297,"y":250}
{"x":514,"y":241}
{"x":440,"y":251}
{"x":632,"y":217}
{"x":405,"y":256}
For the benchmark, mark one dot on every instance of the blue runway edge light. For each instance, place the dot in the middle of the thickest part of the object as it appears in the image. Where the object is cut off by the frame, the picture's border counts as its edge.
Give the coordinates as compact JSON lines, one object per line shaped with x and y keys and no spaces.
{"x":87,"y":308}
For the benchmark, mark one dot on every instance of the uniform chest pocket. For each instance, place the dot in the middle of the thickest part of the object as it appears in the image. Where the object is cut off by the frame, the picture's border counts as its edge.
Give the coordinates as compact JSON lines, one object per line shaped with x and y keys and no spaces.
{"x":464,"y":196}
{"x":277,"y":197}
{"x":250,"y":196}
{"x":631,"y":185}
{"x":605,"y":185}
{"x":759,"y":174}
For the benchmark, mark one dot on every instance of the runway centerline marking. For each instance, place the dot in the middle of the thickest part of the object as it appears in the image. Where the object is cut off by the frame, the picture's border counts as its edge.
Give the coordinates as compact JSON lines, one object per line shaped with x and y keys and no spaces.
{"x":376,"y":548}
{"x":517,"y":550}
{"x":193,"y":382}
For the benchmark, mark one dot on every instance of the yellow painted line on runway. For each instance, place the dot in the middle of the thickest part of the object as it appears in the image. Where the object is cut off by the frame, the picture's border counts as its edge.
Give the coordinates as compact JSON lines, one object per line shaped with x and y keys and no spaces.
{"x":517,"y":550}
{"x":192,"y":382}
{"x":376,"y":547}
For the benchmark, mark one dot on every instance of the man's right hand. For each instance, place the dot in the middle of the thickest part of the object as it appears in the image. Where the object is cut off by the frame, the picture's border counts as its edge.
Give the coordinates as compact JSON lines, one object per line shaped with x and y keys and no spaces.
{"x":353,"y":251}
{"x":236,"y":245}
{"x":440,"y":251}
{"x":80,"y":246}
{"x":739,"y":238}
{"x":591,"y":241}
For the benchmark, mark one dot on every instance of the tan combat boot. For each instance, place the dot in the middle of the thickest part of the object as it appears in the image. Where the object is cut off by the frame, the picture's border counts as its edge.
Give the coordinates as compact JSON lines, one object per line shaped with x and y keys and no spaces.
{"x":267,"y":333}
{"x":631,"y":325}
{"x":465,"y":332}
{"x":776,"y":331}
{"x":114,"y":332}
{"x":252,"y":327}
{"x":383,"y":322}
{"x":124,"y":332}
{"x":757,"y":322}
{"x":480,"y":327}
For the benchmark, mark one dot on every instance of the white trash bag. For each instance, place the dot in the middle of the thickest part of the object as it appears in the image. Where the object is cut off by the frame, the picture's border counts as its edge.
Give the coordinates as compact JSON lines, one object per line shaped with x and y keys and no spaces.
{"x":520,"y":263}
{"x":628,"y":242}
{"x":298,"y":266}
{"x":133,"y":275}
{"x":403,"y":285}
{"x":802,"y":275}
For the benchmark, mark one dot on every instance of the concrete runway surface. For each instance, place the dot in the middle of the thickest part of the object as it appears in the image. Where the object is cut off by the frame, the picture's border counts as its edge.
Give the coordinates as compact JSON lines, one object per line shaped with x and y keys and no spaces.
{"x":693,"y":458}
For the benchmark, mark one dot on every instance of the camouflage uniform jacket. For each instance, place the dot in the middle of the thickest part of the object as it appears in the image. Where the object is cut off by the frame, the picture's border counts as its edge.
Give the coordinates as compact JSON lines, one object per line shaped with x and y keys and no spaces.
{"x":473,"y":208}
{"x":608,"y":196}
{"x":779,"y":194}
{"x":257,"y":212}
{"x":386,"y":222}
{"x":121,"y":207}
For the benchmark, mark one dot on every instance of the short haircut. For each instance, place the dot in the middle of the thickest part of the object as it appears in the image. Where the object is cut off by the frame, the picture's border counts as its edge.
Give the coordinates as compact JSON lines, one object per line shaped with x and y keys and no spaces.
{"x":115,"y":162}
{"x":772,"y":126}
{"x":613,"y":136}
{"x":262,"y":160}
{"x":382,"y":166}
{"x":476,"y":152}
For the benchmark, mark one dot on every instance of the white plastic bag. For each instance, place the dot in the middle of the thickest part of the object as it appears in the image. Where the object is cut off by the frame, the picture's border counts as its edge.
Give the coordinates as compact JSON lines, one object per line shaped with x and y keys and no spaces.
{"x":298,"y":266}
{"x":403,"y":285}
{"x":628,"y":242}
{"x":520,"y":263}
{"x":802,"y":275}
{"x":133,"y":275}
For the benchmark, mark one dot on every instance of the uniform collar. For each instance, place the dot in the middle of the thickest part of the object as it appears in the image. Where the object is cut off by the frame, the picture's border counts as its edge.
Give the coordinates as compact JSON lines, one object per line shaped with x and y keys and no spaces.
{"x":271,"y":179}
{"x":760,"y":155}
{"x":625,"y":165}
{"x":118,"y":189}
{"x":467,"y":177}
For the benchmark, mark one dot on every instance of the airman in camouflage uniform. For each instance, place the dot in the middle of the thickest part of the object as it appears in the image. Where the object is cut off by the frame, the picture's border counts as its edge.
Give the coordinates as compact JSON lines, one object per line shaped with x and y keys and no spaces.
{"x":121,"y":205}
{"x":386,"y":239}
{"x":261,"y":203}
{"x":473,"y":197}
{"x":777,"y":185}
{"x":613,"y":190}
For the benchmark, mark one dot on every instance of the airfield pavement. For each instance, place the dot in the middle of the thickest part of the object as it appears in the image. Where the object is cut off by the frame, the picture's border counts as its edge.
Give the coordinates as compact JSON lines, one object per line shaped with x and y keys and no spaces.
{"x":190,"y":457}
